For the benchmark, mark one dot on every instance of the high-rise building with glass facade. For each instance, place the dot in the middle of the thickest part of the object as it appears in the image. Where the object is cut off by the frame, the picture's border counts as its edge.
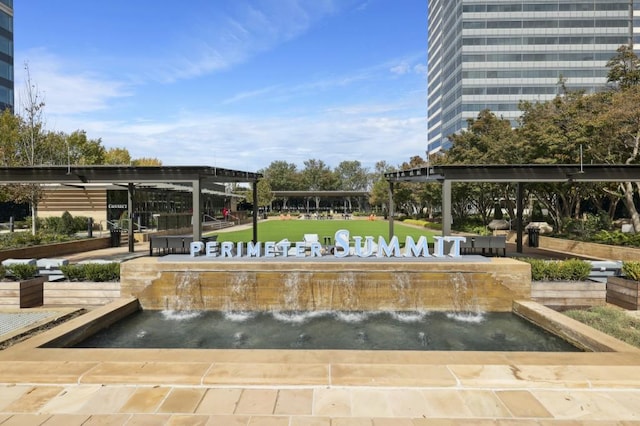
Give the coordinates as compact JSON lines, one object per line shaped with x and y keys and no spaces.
{"x":6,"y":55}
{"x":490,"y":54}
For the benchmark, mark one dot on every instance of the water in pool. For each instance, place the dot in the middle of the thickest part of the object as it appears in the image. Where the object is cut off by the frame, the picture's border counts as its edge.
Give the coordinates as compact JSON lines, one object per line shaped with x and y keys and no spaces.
{"x":420,"y":331}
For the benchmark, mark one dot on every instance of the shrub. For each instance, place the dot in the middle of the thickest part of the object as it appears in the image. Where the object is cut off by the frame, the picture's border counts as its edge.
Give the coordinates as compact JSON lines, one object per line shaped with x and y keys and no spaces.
{"x":631,"y":270}
{"x":66,"y":224}
{"x":73,"y":272}
{"x":22,"y":271}
{"x":558,"y":270}
{"x":102,"y":272}
{"x":98,"y":272}
{"x":3,"y":272}
{"x":573,"y":270}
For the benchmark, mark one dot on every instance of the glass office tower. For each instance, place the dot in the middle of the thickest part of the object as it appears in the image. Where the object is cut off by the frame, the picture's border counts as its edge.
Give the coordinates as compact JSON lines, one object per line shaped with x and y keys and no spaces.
{"x":493,"y":53}
{"x":6,"y":55}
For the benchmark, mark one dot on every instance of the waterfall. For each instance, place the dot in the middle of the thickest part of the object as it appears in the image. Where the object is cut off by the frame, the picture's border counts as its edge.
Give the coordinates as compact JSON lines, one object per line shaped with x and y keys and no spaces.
{"x":188,"y":292}
{"x":239,"y":293}
{"x":292,"y":291}
{"x":347,"y":285}
{"x":464,"y":299}
{"x":401,"y":286}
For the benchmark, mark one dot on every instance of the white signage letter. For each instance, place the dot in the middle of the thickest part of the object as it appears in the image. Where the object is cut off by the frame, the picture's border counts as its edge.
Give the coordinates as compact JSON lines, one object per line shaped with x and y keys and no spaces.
{"x":389,"y":250}
{"x":411,"y":249}
{"x":195,"y":248}
{"x":342,"y":243}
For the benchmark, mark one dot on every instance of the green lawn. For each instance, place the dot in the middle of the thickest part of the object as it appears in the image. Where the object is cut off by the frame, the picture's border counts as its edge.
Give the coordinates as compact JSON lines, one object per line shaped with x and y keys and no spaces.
{"x":294,"y":230}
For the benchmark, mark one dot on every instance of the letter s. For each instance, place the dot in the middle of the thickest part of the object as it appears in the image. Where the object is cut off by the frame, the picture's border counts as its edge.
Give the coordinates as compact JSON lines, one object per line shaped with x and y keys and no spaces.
{"x":342,"y":243}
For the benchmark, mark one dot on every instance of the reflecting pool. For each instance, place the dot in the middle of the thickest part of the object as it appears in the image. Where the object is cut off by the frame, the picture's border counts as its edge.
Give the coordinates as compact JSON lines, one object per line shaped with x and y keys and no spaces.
{"x":383,"y":330}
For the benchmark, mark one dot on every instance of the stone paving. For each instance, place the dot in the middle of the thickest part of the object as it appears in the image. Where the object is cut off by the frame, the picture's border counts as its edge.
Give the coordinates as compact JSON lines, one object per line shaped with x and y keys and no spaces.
{"x":13,"y":321}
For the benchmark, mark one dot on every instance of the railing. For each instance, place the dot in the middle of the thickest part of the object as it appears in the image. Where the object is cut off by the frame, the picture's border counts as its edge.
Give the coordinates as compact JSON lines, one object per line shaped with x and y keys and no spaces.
{"x":215,"y":223}
{"x":122,"y":224}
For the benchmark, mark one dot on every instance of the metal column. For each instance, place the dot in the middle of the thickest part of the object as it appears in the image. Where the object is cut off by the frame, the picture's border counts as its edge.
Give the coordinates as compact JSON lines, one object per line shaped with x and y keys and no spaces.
{"x":196,"y":203}
{"x":447,"y":219}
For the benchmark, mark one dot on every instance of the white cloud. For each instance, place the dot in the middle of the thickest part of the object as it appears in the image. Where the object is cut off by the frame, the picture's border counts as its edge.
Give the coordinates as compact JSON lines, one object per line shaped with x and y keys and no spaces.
{"x":241,"y":34}
{"x":65,"y":91}
{"x":250,"y":143}
{"x":400,"y":69}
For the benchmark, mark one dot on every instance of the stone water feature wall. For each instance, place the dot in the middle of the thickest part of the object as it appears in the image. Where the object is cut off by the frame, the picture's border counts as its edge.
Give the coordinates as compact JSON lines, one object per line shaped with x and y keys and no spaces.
{"x":185,"y":283}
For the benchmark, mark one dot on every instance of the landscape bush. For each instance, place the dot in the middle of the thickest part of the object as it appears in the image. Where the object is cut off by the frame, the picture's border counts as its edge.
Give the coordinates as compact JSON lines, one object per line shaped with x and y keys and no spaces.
{"x":98,"y":272}
{"x":22,"y":271}
{"x":558,"y":270}
{"x":631,"y":270}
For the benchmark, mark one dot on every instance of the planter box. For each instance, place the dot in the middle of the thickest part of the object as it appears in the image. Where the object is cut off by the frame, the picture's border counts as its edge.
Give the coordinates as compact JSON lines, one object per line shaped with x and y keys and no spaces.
{"x":569,"y":293}
{"x":59,"y":249}
{"x":80,"y":293}
{"x":623,"y":292}
{"x":22,"y":294}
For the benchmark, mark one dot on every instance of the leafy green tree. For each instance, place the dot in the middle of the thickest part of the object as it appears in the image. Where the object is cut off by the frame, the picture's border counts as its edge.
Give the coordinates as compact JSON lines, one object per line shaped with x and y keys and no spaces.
{"x":317,"y":176}
{"x":624,"y":68}
{"x":282,"y":176}
{"x":379,"y":196}
{"x":352,"y":177}
{"x":10,"y":126}
{"x":117,"y":156}
{"x":487,"y":140}
{"x":265,"y":195}
{"x":85,"y":151}
{"x":146,"y":162}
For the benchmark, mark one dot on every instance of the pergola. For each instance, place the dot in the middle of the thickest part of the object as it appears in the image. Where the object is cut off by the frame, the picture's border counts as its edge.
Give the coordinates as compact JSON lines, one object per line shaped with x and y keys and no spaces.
{"x":518,"y":174}
{"x":198,"y":178}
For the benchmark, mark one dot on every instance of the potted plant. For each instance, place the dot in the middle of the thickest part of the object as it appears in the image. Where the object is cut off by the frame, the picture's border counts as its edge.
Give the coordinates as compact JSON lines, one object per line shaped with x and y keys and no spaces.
{"x":565,"y":283}
{"x":21,"y":286}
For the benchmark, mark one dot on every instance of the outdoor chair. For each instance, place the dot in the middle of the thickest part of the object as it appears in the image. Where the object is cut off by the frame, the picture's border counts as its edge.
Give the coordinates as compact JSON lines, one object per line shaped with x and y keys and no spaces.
{"x":498,"y":243}
{"x":309,"y":239}
{"x":159,"y":244}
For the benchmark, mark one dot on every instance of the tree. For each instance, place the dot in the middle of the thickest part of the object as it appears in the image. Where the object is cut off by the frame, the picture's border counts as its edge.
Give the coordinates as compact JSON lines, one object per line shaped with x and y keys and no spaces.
{"x":624,"y":68}
{"x":146,"y":162}
{"x":317,"y":176}
{"x":282,"y":176}
{"x":85,"y":151}
{"x":379,"y":196}
{"x":622,"y":144}
{"x":117,"y":157}
{"x":487,"y":140}
{"x":352,"y":177}
{"x":30,"y":145}
{"x":265,"y":196}
{"x":10,"y":126}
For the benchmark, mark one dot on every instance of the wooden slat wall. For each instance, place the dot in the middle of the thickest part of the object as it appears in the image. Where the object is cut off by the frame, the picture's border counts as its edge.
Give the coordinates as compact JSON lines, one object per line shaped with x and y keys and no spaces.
{"x":78,"y":202}
{"x":568,"y":294}
{"x":623,"y":292}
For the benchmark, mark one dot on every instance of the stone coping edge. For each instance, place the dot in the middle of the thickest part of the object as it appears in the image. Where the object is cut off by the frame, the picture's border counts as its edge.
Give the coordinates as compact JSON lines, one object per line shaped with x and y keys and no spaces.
{"x":575,"y":332}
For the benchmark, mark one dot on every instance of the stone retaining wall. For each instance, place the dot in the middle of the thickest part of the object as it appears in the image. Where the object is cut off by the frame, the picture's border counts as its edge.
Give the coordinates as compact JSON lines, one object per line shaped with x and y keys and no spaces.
{"x":359,"y":284}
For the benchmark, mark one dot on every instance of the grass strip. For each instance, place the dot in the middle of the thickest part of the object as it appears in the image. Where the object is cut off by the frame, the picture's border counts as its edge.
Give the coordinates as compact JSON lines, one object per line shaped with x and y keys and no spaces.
{"x":294,"y":230}
{"x":612,"y":321}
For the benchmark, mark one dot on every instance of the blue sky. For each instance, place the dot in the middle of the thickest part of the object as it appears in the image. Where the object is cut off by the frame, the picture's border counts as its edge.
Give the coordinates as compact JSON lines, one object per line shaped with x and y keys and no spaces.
{"x":232,"y":83}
